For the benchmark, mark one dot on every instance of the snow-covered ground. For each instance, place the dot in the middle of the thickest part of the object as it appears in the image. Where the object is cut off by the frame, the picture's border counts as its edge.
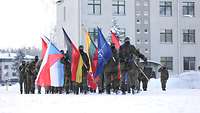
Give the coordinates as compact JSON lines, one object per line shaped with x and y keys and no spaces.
{"x":182,"y":96}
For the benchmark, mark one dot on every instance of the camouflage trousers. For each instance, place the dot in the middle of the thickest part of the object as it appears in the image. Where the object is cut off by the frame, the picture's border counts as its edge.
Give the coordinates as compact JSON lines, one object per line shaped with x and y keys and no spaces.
{"x":129,"y":79}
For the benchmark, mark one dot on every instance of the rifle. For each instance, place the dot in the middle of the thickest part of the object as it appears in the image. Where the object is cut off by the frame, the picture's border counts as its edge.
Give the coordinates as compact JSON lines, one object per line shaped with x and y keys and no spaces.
{"x":141,"y":70}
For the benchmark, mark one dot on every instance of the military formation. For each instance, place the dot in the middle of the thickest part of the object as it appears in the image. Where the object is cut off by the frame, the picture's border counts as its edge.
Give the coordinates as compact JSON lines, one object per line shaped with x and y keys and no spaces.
{"x":131,"y":73}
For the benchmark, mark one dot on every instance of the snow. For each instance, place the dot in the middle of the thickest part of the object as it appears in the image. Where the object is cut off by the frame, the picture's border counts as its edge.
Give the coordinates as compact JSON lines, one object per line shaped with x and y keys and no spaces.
{"x":182,"y":96}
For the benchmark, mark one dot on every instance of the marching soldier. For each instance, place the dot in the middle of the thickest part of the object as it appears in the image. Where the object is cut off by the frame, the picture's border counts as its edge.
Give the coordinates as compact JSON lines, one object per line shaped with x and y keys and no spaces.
{"x":111,"y":71}
{"x":22,"y":76}
{"x":163,"y":77}
{"x":128,"y":54}
{"x":32,"y":72}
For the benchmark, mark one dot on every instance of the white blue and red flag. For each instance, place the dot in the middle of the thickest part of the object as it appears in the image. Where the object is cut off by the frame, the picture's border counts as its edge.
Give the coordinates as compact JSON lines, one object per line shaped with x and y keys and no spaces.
{"x":51,"y":72}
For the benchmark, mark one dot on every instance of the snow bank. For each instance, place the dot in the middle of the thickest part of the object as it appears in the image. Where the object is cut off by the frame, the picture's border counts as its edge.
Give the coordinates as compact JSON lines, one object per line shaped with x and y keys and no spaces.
{"x":186,"y":80}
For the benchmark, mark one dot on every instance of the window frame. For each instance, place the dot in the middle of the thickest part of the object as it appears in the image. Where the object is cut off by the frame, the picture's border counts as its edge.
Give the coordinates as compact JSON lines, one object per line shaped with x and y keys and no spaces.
{"x":188,"y":62}
{"x":167,"y":61}
{"x":188,"y":7}
{"x":119,"y":5}
{"x":165,"y":8}
{"x":189,"y":36}
{"x":168,"y":36}
{"x":94,"y":4}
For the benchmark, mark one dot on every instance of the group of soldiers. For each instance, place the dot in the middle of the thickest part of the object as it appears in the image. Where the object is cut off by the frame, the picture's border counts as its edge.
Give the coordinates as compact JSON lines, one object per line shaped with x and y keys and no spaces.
{"x":127,"y":57}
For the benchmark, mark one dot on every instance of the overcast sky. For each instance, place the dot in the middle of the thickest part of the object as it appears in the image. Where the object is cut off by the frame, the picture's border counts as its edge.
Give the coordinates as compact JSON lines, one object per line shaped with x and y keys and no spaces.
{"x":22,"y":22}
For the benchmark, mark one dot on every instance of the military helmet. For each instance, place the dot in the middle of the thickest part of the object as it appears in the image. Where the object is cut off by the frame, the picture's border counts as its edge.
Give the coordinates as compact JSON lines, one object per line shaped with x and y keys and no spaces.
{"x":127,"y":39}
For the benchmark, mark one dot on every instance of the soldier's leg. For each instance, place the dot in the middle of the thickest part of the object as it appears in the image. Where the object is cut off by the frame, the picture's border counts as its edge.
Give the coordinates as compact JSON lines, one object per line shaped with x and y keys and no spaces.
{"x":21,"y":87}
{"x":144,"y":84}
{"x":123,"y":78}
{"x":131,"y":84}
{"x":107,"y":81}
{"x":115,"y":83}
{"x":163,"y":84}
{"x":84,"y":84}
{"x":39,"y":89}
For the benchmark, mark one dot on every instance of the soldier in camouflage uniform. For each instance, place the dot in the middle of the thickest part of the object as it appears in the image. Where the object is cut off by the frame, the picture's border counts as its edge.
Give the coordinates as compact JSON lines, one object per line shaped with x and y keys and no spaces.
{"x":68,"y":82}
{"x":111,"y":69}
{"x":143,"y":79}
{"x":28,"y":79}
{"x":32,"y":72}
{"x":128,"y":54}
{"x":67,"y":72}
{"x":22,"y":76}
{"x":163,"y":77}
{"x":85,"y":69}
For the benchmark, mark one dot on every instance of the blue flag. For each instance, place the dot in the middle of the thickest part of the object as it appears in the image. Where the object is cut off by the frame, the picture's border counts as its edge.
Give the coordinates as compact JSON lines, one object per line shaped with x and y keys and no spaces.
{"x":104,"y":53}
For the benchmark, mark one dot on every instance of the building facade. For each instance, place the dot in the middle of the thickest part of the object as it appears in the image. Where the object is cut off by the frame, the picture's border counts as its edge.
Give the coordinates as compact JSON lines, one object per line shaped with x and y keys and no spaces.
{"x":166,"y":31}
{"x":7,"y":69}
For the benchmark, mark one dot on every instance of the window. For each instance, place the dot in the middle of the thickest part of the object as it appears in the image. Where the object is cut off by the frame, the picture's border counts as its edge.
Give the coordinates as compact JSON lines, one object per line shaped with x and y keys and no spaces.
{"x":167,"y":61}
{"x":145,"y":31}
{"x":189,"y":63}
{"x":118,"y":7}
{"x":6,"y":67}
{"x":188,"y":9}
{"x":189,"y":35}
{"x":166,"y":36}
{"x":165,"y":8}
{"x":14,"y":74}
{"x":146,"y":51}
{"x":93,"y":33}
{"x":138,"y":21}
{"x":94,"y":7}
{"x":138,"y":31}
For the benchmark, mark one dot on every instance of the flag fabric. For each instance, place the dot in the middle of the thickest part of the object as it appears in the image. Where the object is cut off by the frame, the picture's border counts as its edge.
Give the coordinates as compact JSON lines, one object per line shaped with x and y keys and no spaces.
{"x":44,"y":46}
{"x":51,"y":72}
{"x":75,"y":58}
{"x":115,"y":40}
{"x":104,"y":53}
{"x":92,"y":52}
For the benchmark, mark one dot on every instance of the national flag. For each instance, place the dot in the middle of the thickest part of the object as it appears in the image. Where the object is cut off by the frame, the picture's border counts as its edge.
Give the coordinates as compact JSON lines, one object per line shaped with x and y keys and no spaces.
{"x":51,"y":72}
{"x":92,"y":52}
{"x":115,"y":40}
{"x":104,"y":53}
{"x":75,"y":58}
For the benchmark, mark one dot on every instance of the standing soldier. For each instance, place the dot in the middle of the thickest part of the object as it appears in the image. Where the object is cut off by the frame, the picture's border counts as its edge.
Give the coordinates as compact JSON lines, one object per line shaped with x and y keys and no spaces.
{"x":33,"y":73}
{"x":22,"y":76}
{"x":85,"y":69}
{"x":128,"y":54}
{"x":67,"y":73}
{"x":28,"y":79}
{"x":164,"y":75}
{"x":111,"y":70}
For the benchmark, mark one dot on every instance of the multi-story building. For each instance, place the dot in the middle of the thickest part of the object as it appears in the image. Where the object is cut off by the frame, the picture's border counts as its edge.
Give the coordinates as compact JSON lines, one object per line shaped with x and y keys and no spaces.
{"x":165,"y":31}
{"x":7,"y":70}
